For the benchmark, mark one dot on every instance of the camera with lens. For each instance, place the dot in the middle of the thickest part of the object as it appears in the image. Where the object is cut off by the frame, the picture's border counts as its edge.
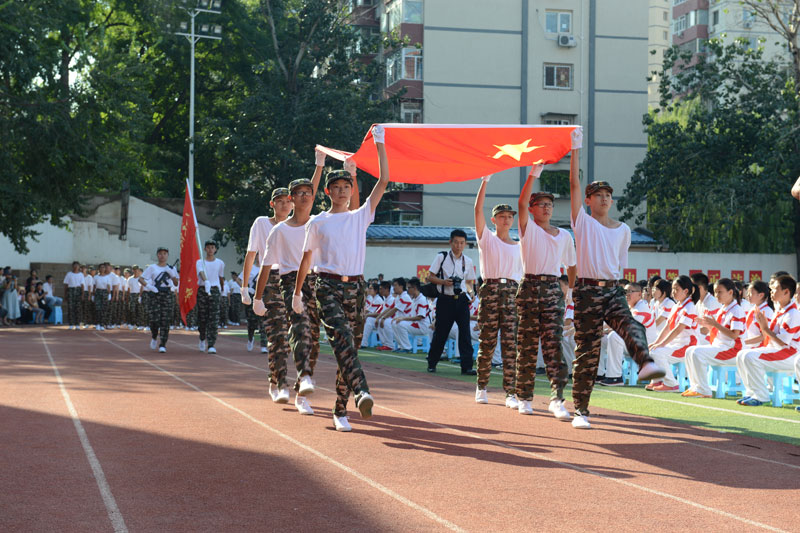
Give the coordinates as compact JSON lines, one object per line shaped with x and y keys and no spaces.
{"x":456,"y":284}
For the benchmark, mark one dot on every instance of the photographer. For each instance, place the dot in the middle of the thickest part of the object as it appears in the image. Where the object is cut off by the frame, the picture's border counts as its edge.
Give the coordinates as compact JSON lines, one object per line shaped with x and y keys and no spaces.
{"x":454,"y":274}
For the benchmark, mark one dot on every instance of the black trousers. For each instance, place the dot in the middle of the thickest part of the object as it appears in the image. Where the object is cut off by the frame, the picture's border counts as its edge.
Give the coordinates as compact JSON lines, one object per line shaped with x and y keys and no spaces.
{"x":449,"y":310}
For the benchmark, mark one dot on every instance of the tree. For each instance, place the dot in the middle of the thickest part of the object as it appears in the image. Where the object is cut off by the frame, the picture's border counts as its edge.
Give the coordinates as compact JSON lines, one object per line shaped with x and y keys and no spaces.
{"x":722,"y":154}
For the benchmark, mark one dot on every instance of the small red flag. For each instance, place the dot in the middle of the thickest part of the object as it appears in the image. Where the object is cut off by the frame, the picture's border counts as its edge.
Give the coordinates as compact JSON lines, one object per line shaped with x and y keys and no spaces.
{"x":190,"y":254}
{"x":671,"y":274}
{"x":714,"y":275}
{"x":439,"y":153}
{"x":653,"y":272}
{"x":737,"y":275}
{"x":629,"y":274}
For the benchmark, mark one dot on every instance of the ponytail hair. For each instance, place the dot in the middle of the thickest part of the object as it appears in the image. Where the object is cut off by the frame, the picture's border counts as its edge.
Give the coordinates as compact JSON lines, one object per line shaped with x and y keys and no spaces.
{"x":664,"y":286}
{"x":761,"y":287}
{"x":731,"y":286}
{"x":685,"y":282}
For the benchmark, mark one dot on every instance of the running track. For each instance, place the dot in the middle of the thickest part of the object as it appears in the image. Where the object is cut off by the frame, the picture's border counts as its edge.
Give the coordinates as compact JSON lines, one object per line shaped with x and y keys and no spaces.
{"x":101,"y":434}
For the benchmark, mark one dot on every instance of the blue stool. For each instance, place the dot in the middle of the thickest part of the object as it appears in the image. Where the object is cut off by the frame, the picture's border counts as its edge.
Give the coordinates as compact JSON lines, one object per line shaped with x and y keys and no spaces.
{"x":679,"y":371}
{"x":450,"y":348}
{"x":722,"y":380}
{"x":373,"y":339}
{"x":56,"y":316}
{"x":630,"y":372}
{"x":782,"y":388}
{"x":421,"y":343}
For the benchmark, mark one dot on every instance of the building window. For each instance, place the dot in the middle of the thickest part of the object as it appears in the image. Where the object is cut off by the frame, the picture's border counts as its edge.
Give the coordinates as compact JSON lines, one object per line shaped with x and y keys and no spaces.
{"x":666,"y":16}
{"x":715,"y":17}
{"x":402,"y":12}
{"x":411,"y":112}
{"x":558,"y":119}
{"x":748,"y":18}
{"x":555,"y":181}
{"x":679,"y":24}
{"x":677,"y":2}
{"x":558,"y":22}
{"x":665,"y":36}
{"x":558,"y":77}
{"x":405,"y":64}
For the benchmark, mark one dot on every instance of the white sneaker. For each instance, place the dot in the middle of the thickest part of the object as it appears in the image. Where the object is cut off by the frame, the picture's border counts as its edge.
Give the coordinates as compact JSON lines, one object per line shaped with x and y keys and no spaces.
{"x":481,"y":396}
{"x":211,"y":349}
{"x":306,"y":386}
{"x":162,"y":349}
{"x":282,"y":396}
{"x":364,"y":402}
{"x":512,"y":402}
{"x":341,"y":423}
{"x":302,"y":405}
{"x":140,"y":328}
{"x":250,"y":345}
{"x":581,"y":422}
{"x":201,"y":346}
{"x":130,"y":327}
{"x":273,"y":392}
{"x":650,"y":371}
{"x":559,"y":411}
{"x":153,"y":344}
{"x":171,"y":328}
{"x":263,"y":349}
{"x":524,"y":407}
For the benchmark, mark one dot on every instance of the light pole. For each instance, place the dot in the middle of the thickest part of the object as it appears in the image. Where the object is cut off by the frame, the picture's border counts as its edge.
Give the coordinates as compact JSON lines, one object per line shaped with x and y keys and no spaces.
{"x":207,"y":31}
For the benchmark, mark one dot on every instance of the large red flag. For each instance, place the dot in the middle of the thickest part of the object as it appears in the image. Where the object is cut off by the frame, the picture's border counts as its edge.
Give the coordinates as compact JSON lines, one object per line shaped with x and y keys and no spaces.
{"x":439,"y":153}
{"x":190,"y":254}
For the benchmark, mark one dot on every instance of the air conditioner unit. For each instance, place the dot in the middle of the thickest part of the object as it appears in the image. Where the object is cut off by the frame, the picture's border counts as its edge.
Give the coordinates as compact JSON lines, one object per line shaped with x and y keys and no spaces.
{"x":566,"y":40}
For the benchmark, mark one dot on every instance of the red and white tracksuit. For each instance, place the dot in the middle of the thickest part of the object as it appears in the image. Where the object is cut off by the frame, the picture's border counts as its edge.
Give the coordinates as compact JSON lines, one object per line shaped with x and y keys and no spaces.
{"x":616,"y":346}
{"x":754,"y":363}
{"x":373,"y":304}
{"x":721,"y":352}
{"x":403,"y":330}
{"x":665,"y":356}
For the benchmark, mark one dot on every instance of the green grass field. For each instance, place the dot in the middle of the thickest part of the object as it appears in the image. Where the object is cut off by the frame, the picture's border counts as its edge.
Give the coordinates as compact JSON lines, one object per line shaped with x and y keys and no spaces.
{"x":765,"y":422}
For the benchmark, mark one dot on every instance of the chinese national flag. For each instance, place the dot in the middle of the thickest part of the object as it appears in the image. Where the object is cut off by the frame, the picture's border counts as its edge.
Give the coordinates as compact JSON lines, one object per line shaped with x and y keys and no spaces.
{"x":190,"y":254}
{"x":439,"y":153}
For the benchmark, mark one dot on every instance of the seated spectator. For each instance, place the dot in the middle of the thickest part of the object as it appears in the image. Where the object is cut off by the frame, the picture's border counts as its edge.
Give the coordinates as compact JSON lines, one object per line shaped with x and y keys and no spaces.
{"x":412,"y":321}
{"x":50,"y":299}
{"x":30,"y":283}
{"x":38,"y":290}
{"x":10,"y":298}
{"x":31,"y":312}
{"x":616,"y":350}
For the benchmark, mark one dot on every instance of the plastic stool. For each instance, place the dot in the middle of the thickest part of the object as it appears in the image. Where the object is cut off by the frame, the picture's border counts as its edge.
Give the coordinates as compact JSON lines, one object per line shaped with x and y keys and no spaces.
{"x":421,"y":343}
{"x":450,"y":348}
{"x":782,"y":388}
{"x":373,"y":339}
{"x":56,"y":316}
{"x":679,"y":371}
{"x":722,"y":380}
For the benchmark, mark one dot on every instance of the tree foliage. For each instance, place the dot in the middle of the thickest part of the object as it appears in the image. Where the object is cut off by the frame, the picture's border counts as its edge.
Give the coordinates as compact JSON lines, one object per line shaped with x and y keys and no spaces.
{"x":722,"y":153}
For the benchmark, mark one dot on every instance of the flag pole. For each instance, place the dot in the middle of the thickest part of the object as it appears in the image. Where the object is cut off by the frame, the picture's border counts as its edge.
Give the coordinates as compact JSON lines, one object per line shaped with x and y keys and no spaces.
{"x":197,"y":230}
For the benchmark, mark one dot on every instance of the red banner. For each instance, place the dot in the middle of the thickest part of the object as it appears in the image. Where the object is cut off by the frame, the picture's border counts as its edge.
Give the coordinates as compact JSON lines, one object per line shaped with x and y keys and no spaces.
{"x":440,"y":153}
{"x":653,"y":272}
{"x":190,"y":254}
{"x":671,"y":274}
{"x":737,"y":275}
{"x":422,"y":273}
{"x":693,"y":272}
{"x":714,"y":275}
{"x":755,"y":275}
{"x":629,"y":274}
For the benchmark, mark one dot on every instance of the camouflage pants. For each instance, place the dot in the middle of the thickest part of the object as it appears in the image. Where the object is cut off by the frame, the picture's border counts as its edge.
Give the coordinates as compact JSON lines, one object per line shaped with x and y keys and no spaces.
{"x":176,"y":311}
{"x":191,"y":318}
{"x":303,"y":328}
{"x":88,"y":308}
{"x":101,"y":304}
{"x":207,"y":314}
{"x":540,"y":307}
{"x":236,"y":308}
{"x":593,"y":306}
{"x":135,"y":311}
{"x":253,"y":321}
{"x":277,"y":329}
{"x":497,"y":312}
{"x":160,"y":312}
{"x":223,"y":311}
{"x":341,"y":309}
{"x":74,"y":297}
{"x":116,"y":308}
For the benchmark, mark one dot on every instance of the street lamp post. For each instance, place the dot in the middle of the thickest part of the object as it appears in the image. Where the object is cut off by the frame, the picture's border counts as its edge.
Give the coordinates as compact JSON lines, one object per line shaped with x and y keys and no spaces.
{"x":207,"y":31}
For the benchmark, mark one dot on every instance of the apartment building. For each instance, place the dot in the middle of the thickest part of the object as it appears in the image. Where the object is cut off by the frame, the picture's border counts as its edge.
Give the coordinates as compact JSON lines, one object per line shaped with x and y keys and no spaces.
{"x":660,"y":38}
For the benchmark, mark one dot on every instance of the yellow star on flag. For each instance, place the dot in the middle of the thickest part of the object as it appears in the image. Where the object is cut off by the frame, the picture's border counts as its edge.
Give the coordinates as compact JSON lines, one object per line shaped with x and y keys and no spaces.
{"x":514,"y":150}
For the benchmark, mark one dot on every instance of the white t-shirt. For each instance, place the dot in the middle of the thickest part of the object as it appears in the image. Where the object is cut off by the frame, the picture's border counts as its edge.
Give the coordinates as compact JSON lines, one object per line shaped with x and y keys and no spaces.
{"x":155,"y":279}
{"x":251,"y":283}
{"x":104,"y":282}
{"x":257,"y":242}
{"x":338,"y":241}
{"x":374,"y":304}
{"x":602,"y":252}
{"x":285,"y":247}
{"x":234,"y":287}
{"x":214,"y":270}
{"x":74,"y":279}
{"x":88,"y":282}
{"x":404,"y":305}
{"x":461,"y":267}
{"x":420,"y":308}
{"x":497,"y":258}
{"x":543,"y":253}
{"x":114,"y":280}
{"x":134,"y":286}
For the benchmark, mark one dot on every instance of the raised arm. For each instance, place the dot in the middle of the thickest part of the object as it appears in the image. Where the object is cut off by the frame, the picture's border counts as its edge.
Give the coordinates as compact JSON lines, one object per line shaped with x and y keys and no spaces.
{"x":375,"y":196}
{"x":480,"y":219}
{"x":575,"y":194}
{"x":524,"y":198}
{"x":796,"y":189}
{"x":355,"y":199}
{"x":318,"y":168}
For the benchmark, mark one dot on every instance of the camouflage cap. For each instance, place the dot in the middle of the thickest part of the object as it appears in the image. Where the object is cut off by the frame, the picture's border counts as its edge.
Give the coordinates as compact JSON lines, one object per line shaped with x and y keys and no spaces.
{"x":595,"y":186}
{"x":279,"y":191}
{"x":500,"y":208}
{"x":162,"y":249}
{"x":299,"y":183}
{"x":535,"y":197}
{"x":336,"y":175}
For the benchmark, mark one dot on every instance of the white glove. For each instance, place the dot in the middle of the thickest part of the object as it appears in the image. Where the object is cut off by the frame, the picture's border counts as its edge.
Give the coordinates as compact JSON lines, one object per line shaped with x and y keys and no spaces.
{"x":536,"y":170}
{"x":319,"y":158}
{"x":297,"y":304}
{"x":246,"y":298}
{"x":577,"y":138}
{"x":350,"y":165}
{"x":258,"y":307}
{"x":207,"y":285}
{"x":378,"y":133}
{"x":486,"y":179}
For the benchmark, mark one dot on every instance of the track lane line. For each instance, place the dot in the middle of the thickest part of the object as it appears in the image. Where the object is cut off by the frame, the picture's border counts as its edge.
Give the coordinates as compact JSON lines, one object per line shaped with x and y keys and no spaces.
{"x":372,"y":483}
{"x":114,"y":513}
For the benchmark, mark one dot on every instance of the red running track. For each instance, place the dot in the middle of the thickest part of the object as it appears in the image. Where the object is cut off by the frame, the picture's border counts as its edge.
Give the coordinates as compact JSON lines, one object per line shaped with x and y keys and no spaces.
{"x":186,"y":441}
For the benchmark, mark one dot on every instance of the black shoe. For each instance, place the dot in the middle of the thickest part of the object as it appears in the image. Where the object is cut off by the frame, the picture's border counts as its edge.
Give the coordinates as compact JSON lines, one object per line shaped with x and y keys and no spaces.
{"x":540,"y":371}
{"x":598,"y":379}
{"x":431,"y":369}
{"x":470,"y":372}
{"x":455,"y":361}
{"x":612,"y":382}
